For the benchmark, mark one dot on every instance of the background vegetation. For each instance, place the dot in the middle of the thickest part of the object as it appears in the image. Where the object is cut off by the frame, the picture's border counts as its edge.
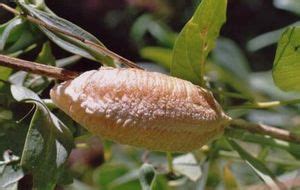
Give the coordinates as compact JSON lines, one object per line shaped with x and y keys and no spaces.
{"x":238,"y":71}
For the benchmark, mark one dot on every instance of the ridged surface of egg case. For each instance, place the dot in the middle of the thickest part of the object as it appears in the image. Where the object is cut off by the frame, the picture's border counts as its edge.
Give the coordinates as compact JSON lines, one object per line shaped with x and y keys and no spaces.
{"x":143,"y":109}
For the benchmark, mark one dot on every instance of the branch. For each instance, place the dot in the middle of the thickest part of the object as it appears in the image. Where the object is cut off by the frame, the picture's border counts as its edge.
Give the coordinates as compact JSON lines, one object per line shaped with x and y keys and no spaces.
{"x":36,"y":68}
{"x":65,"y":32}
{"x":63,"y":74}
{"x":266,"y":130}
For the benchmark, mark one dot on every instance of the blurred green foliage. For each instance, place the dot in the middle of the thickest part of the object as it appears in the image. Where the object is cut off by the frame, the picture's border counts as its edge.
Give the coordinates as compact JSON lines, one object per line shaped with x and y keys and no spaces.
{"x":38,"y":147}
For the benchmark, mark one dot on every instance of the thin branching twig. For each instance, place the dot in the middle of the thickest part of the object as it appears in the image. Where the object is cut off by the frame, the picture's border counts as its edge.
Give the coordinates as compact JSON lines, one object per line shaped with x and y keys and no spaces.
{"x":64,"y":74}
{"x":36,"y":68}
{"x":67,"y":33}
{"x":266,"y":130}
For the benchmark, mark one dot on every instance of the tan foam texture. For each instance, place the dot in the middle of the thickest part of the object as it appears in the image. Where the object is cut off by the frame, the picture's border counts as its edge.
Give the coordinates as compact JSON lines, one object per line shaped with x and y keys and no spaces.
{"x":143,"y":109}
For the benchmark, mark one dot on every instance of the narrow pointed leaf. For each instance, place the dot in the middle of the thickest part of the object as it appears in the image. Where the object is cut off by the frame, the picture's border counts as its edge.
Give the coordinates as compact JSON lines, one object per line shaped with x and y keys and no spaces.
{"x":68,"y":43}
{"x":4,"y":37}
{"x":258,"y":167}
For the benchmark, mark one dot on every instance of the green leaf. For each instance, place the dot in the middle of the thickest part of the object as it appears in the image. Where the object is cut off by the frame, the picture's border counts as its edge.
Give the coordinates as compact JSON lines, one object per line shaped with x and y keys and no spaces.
{"x":292,"y":148}
{"x":258,"y":167}
{"x":45,"y":56}
{"x":36,"y":83}
{"x":46,"y":149}
{"x":37,"y":3}
{"x":17,"y":35}
{"x":67,"y":43}
{"x":187,"y":165}
{"x":147,"y":176}
{"x":8,"y":30}
{"x":28,"y":37}
{"x":48,"y":142}
{"x":20,"y":93}
{"x":286,"y":68}
{"x":162,"y":56}
{"x":4,"y":74}
{"x":197,"y":39}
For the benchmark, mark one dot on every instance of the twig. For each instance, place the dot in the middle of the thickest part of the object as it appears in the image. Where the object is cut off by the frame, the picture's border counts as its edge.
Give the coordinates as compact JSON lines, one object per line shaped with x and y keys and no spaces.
{"x":36,"y":68}
{"x":55,"y":29}
{"x":266,"y":130}
{"x":63,"y":74}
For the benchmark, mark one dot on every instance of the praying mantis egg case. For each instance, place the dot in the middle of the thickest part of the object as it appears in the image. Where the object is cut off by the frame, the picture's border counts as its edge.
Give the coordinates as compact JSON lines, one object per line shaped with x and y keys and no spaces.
{"x":143,"y":109}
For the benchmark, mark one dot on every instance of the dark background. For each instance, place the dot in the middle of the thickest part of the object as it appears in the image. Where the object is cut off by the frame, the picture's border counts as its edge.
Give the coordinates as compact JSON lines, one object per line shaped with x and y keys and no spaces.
{"x":111,"y":21}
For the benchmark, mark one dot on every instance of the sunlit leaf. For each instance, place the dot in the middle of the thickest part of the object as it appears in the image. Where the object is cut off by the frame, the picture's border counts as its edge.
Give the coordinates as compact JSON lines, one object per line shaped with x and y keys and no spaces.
{"x":286,"y":68}
{"x":197,"y":39}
